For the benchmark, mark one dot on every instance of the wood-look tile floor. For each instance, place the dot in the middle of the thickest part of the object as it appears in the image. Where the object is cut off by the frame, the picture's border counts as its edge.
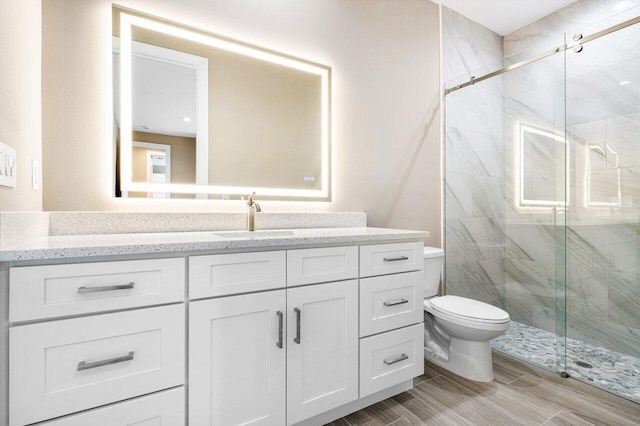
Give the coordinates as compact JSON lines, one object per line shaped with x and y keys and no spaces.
{"x":519,"y":395}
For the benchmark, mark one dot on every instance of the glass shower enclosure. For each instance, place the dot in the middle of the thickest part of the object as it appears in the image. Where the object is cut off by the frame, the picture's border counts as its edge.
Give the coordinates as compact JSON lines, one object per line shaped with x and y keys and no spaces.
{"x":542,"y":203}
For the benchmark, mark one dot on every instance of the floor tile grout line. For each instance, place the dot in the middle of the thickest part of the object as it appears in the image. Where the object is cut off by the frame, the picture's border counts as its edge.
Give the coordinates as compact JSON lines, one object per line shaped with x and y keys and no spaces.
{"x":396,"y":420}
{"x":431,"y":378}
{"x":547,"y":421}
{"x":517,"y":378}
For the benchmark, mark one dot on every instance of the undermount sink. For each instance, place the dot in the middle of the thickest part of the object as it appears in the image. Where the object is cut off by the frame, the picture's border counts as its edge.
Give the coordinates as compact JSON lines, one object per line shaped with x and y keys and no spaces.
{"x":254,"y":234}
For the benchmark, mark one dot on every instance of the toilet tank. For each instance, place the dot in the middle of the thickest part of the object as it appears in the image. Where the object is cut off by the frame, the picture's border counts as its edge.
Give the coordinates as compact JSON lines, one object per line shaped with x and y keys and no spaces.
{"x":433,"y":258}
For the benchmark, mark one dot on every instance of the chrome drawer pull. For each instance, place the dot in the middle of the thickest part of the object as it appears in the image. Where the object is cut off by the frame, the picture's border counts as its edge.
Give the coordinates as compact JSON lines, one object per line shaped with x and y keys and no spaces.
{"x":84,"y":289}
{"x":396,"y":302}
{"x":395,"y":259}
{"x":297,"y":338}
{"x":398,"y":359}
{"x":88,"y":365}
{"x":280,"y":321}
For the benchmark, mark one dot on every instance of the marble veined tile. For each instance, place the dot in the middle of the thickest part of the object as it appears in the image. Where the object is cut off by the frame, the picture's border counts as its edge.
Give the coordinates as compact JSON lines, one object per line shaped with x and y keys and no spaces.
{"x":623,"y":296}
{"x":609,"y":335}
{"x":570,"y":18}
{"x":613,"y":49}
{"x":538,"y":278}
{"x":599,"y":95}
{"x":612,"y":17}
{"x":537,"y":75}
{"x":473,"y":240}
{"x":476,"y":280}
{"x":461,"y":60}
{"x":464,"y":28}
{"x":473,"y":109}
{"x":630,"y":182}
{"x":542,"y":108}
{"x":618,"y":138}
{"x":531,"y":242}
{"x":530,"y":308}
{"x":487,"y":197}
{"x":617,"y":6}
{"x":483,"y":230}
{"x":457,"y":195}
{"x":473,"y":153}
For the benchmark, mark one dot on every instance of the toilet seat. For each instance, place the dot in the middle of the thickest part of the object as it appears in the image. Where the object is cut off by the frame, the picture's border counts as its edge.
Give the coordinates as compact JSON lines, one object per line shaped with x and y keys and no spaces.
{"x":469,"y":310}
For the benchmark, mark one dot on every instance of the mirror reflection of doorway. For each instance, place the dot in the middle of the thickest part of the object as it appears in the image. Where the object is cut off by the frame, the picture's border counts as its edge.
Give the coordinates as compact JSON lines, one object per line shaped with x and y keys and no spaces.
{"x":154,"y":160}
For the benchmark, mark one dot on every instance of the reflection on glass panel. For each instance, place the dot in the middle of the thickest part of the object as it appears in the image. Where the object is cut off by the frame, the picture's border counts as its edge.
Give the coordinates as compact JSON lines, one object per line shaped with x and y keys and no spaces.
{"x":540,"y":167}
{"x":602,"y":186}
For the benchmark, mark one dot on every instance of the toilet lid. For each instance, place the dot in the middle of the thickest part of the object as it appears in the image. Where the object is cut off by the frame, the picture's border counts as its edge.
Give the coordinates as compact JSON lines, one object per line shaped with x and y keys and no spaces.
{"x":469,"y":308}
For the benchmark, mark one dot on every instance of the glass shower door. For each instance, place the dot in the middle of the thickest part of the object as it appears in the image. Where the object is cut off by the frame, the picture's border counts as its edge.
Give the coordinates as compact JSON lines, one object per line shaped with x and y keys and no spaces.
{"x":536,"y":194}
{"x":505,"y":199}
{"x":603,"y":219}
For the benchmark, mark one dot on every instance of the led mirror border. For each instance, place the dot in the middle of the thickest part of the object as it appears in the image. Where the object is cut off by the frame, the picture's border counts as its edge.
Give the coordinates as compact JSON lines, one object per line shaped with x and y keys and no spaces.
{"x":126,"y":143}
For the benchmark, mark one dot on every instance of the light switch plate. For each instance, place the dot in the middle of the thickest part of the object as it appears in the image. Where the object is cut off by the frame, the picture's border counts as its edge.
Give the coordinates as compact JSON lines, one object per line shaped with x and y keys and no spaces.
{"x":8,"y":166}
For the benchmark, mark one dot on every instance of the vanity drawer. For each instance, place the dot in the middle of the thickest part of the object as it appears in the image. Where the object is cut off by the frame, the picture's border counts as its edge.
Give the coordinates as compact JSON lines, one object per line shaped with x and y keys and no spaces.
{"x":162,"y":408}
{"x":62,"y":367}
{"x":390,"y":301}
{"x":309,"y":266}
{"x":37,"y":292}
{"x":381,"y":259}
{"x":391,"y":358}
{"x":224,"y":274}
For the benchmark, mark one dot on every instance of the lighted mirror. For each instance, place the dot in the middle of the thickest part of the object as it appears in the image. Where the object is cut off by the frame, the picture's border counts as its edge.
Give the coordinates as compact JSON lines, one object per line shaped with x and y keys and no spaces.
{"x":541,"y":164}
{"x":202,"y":116}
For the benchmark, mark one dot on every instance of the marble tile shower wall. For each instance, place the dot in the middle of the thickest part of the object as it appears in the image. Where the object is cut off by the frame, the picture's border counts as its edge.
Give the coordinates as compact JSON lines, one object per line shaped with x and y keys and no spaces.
{"x":534,"y":177}
{"x":603,"y":132}
{"x":474,"y":167}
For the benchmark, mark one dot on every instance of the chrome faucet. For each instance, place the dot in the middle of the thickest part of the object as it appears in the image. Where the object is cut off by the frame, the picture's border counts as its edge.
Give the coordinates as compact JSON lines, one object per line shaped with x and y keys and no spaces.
{"x":251,"y":213}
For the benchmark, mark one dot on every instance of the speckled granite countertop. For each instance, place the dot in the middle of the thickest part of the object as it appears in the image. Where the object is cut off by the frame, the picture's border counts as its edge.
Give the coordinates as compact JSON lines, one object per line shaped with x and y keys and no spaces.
{"x":76,"y":246}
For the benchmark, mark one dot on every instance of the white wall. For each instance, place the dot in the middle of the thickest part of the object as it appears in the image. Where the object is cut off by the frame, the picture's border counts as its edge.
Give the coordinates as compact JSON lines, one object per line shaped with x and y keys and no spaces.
{"x":20,"y":111}
{"x":384,"y":59}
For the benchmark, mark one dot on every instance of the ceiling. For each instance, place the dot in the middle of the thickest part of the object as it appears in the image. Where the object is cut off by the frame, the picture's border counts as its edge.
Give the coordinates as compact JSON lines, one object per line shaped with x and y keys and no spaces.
{"x":505,"y":16}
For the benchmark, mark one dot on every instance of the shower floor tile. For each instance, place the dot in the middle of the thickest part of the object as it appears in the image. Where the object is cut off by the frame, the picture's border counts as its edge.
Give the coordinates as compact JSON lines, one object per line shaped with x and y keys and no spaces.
{"x":612,"y":371}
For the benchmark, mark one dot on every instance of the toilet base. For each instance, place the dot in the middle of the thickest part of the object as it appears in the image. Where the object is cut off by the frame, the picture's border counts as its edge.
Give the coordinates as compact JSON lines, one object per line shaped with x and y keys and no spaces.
{"x":468,"y":359}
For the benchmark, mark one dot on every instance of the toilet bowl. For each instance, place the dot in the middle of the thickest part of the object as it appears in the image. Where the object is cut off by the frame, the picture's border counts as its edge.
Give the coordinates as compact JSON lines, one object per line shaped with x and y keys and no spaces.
{"x":458,"y":330}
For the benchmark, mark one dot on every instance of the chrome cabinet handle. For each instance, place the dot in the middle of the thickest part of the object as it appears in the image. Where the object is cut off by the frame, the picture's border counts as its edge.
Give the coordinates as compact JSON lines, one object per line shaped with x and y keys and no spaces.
{"x":280,"y":324}
{"x":84,"y":289}
{"x":396,"y":302}
{"x":88,"y":365}
{"x":297,"y":338}
{"x":395,"y":259}
{"x":398,"y":359}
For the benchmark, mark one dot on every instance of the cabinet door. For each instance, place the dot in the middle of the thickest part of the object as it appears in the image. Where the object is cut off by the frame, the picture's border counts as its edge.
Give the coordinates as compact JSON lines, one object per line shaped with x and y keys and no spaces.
{"x":322,"y":334}
{"x":236,"y":365}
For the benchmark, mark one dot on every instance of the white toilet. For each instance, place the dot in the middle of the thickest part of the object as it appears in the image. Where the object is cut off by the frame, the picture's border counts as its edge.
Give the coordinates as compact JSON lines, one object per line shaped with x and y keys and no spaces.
{"x":457,"y":329}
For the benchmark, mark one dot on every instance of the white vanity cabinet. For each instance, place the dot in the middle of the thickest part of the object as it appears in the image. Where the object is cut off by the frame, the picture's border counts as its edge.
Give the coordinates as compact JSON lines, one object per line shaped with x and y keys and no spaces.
{"x":60,"y":365}
{"x":391,"y":311}
{"x":280,"y":336}
{"x":275,"y":357}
